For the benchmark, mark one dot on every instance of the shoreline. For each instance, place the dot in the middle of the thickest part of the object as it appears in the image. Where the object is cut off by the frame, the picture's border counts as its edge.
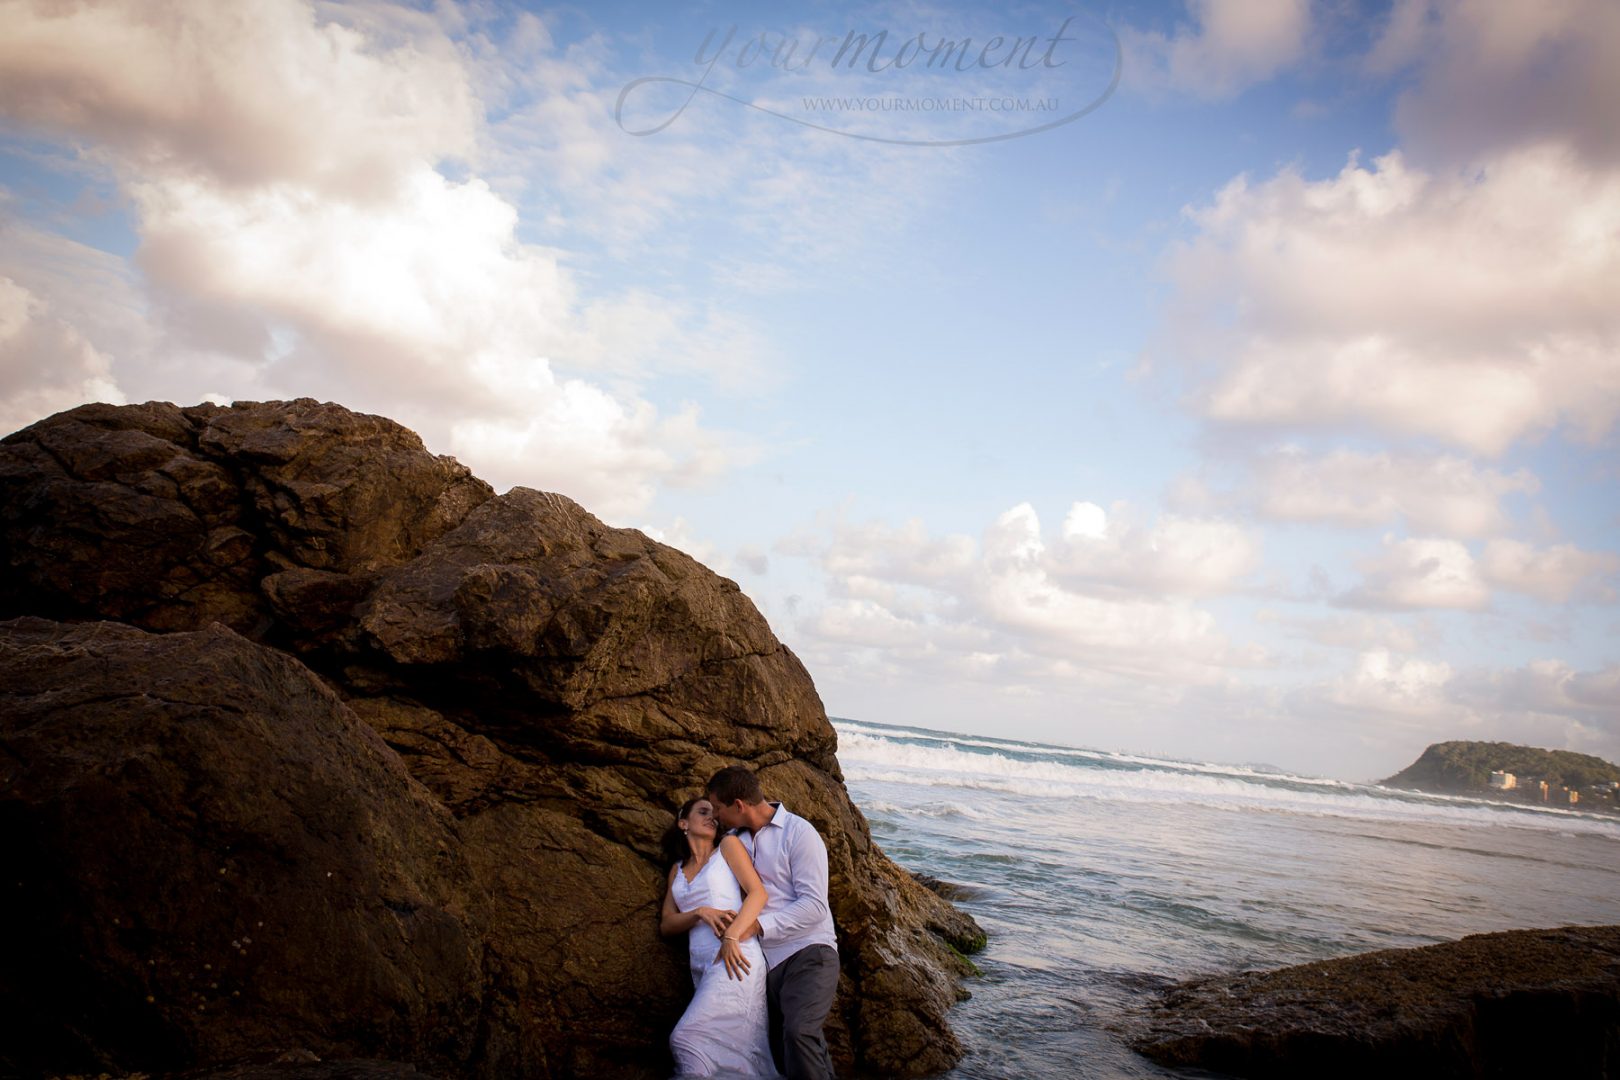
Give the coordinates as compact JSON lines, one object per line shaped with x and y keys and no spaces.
{"x":1490,"y":797}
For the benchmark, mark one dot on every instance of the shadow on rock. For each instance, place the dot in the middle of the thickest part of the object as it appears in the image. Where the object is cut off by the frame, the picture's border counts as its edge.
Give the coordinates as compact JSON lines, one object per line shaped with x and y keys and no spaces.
{"x":311,"y":739}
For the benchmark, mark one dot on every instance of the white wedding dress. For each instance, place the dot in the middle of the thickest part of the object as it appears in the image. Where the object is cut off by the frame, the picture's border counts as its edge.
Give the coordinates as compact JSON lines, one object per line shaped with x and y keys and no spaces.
{"x":724,"y":1031}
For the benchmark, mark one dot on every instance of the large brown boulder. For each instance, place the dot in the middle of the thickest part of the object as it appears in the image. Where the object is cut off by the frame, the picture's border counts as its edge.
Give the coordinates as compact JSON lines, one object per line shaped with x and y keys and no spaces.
{"x":1518,"y":1003}
{"x":208,"y":851}
{"x":542,"y":688}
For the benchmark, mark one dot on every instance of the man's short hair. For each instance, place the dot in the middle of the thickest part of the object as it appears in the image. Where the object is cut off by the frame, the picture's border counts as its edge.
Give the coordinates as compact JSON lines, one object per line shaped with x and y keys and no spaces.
{"x":736,"y":782}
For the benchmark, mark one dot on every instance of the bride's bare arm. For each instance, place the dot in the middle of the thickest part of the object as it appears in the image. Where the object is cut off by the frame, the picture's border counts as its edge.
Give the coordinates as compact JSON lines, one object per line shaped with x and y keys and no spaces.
{"x":743,"y":925}
{"x":672,"y":920}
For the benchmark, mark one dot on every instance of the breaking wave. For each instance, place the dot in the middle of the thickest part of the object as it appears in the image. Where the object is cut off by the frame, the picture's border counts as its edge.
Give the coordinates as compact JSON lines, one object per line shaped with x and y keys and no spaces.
{"x":871,"y":753}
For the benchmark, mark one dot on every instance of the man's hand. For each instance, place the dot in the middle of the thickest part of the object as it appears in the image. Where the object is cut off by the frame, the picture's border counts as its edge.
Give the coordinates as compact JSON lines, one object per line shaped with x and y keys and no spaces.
{"x":716,"y":919}
{"x":731,"y":953}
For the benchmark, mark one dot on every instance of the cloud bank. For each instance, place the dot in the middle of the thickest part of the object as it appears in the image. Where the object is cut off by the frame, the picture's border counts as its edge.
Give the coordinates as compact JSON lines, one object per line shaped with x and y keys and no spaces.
{"x":302,"y":230}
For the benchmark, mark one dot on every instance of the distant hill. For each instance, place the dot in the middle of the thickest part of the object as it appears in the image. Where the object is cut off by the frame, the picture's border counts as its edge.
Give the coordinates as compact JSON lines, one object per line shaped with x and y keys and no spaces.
{"x":1467,"y":766}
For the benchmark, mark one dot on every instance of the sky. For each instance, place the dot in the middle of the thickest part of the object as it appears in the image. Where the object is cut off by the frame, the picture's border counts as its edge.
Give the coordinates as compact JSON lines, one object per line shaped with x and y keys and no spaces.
{"x":1231,"y":380}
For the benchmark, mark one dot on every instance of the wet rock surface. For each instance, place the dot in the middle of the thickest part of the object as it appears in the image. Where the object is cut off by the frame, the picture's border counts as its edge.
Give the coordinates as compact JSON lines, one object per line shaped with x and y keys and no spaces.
{"x":253,"y":645}
{"x":297,"y":1064}
{"x":1519,"y":1003}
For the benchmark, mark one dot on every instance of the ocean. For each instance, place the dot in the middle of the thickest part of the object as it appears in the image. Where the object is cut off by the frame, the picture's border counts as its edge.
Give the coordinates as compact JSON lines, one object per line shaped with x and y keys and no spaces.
{"x":1102,"y":877}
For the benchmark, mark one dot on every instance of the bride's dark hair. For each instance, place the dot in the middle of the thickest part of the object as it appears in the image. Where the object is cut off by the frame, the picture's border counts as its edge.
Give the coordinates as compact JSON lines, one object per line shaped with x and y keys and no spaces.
{"x":676,"y":849}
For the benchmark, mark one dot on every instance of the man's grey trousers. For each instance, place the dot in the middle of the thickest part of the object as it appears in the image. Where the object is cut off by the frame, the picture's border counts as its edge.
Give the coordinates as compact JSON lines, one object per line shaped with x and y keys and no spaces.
{"x":800,"y":990}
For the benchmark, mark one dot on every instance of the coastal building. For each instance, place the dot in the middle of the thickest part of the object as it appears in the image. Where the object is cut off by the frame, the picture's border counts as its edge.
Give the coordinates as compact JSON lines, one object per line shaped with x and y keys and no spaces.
{"x":1504,"y":781}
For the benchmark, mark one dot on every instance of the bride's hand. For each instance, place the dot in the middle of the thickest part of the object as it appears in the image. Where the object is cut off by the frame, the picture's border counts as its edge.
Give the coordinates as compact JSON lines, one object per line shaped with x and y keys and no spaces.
{"x":716,"y":919}
{"x":737,"y":964}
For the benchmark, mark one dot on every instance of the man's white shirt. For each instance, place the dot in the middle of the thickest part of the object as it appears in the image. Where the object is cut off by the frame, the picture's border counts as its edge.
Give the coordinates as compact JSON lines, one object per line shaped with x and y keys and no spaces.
{"x":792,"y":862}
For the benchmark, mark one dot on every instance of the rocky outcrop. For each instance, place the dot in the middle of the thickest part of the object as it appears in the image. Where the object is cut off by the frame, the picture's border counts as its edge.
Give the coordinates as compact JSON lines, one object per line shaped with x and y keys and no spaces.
{"x":289,"y":1065}
{"x":337,"y":653}
{"x":1466,"y":767}
{"x":1520,"y":1003}
{"x":210,"y":851}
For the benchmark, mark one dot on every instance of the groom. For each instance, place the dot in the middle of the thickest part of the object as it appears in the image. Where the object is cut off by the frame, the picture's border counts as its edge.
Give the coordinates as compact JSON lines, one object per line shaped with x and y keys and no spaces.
{"x":796,"y":928}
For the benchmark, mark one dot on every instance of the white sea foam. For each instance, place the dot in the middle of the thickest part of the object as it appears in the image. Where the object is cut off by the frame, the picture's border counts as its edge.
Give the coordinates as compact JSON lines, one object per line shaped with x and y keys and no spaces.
{"x":869,"y":755}
{"x":1086,"y":864}
{"x":927,"y":810}
{"x":1082,"y":754}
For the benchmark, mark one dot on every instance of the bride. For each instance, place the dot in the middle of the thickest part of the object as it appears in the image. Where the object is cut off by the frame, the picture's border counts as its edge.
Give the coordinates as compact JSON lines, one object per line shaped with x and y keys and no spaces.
{"x":724,"y":1032}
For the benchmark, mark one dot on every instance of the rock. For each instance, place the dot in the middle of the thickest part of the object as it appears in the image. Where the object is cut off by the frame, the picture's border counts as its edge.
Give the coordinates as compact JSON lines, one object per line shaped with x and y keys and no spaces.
{"x":552,"y":687}
{"x":169,"y":518}
{"x":353,"y":1069}
{"x":948,"y":890}
{"x":307,"y":1066}
{"x":1466,"y":768}
{"x":209,"y":852}
{"x":1519,"y":1003}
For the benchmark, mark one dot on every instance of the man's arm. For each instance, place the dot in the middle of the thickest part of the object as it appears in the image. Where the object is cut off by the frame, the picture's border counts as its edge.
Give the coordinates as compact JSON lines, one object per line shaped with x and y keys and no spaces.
{"x":807,"y":870}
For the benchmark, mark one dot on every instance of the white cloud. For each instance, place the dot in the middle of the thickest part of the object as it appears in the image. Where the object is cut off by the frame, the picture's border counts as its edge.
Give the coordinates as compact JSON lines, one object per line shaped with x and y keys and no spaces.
{"x":1362,"y":633}
{"x":1174,"y":556}
{"x":993,"y":628}
{"x":591,"y":446}
{"x":1435,"y":494}
{"x":1018,"y":592}
{"x":1545,"y":685}
{"x":45,"y":364}
{"x":1401,"y":702}
{"x":678,"y":534}
{"x":1229,"y":45}
{"x":411,"y":288}
{"x":245,"y":93}
{"x":1471,"y":306}
{"x":98,"y":293}
{"x":428,"y":308}
{"x":906,"y":554}
{"x":1496,"y":75}
{"x":63,"y":306}
{"x":1427,"y":572}
{"x":1552,"y":574}
{"x":1598,"y":690}
{"x":871,"y":624}
{"x":1384,"y":682}
{"x":297,"y":238}
{"x":1546,"y":702}
{"x":1420,"y":573}
{"x":1011,"y":604}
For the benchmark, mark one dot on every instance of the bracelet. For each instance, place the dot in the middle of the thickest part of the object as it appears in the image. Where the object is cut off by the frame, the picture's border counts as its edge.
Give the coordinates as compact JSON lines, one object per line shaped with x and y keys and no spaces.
{"x":728,"y":937}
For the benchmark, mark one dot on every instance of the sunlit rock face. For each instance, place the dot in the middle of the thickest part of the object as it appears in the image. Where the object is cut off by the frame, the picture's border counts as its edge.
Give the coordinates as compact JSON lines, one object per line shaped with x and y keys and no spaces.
{"x":314,"y":743}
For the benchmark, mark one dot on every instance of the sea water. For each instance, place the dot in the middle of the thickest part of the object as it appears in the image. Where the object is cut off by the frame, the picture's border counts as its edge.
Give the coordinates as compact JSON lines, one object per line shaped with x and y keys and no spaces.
{"x":1100,"y":878}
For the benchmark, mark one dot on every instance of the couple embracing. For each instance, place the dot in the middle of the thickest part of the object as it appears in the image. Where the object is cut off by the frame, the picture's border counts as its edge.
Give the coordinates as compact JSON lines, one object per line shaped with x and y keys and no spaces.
{"x":749,"y":888}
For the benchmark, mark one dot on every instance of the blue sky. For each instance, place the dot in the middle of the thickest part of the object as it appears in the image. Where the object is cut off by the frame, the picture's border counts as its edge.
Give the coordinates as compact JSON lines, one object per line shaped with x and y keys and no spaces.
{"x":1264,"y":413}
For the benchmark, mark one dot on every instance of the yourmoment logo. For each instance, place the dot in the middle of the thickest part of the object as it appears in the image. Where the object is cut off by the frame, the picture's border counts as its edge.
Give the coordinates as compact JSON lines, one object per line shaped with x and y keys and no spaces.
{"x":935,"y":86}
{"x":977,"y":104}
